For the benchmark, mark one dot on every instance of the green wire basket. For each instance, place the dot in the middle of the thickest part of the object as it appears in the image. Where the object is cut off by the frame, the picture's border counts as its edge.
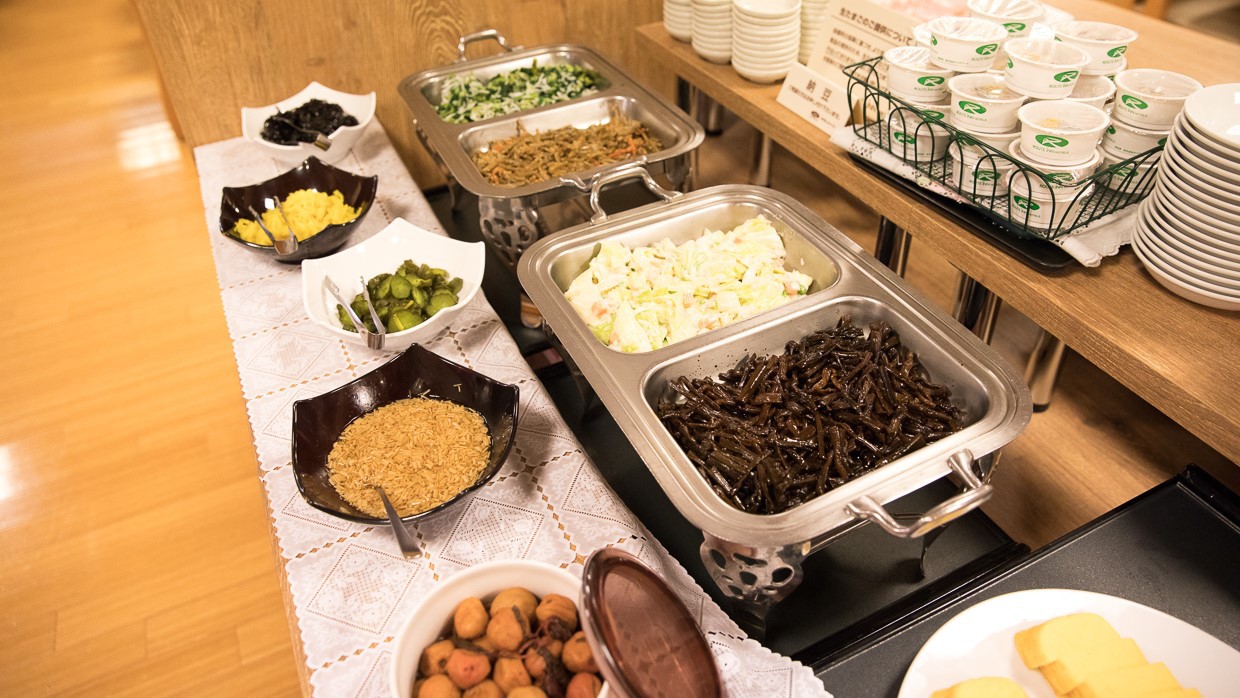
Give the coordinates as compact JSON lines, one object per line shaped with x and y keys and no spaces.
{"x":923,"y":139}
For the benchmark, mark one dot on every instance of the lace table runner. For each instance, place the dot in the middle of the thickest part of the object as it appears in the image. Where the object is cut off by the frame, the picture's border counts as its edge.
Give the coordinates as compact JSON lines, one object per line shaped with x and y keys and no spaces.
{"x":349,"y":588}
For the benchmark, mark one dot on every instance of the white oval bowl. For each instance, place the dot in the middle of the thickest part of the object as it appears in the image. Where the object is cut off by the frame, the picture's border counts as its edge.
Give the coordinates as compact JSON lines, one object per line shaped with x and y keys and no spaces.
{"x":361,"y":107}
{"x":382,"y":254}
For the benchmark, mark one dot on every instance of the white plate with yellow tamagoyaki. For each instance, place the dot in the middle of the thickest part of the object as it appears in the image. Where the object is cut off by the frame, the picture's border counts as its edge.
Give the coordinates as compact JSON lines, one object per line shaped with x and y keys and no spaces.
{"x":979,"y":642}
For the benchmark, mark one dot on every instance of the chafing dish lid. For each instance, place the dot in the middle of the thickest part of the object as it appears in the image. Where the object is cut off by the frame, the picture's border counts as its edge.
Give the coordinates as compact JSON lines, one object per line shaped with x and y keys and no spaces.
{"x":644,"y":640}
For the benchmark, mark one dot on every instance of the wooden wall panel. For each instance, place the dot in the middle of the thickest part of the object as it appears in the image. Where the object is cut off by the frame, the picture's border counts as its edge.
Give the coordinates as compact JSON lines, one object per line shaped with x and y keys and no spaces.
{"x":216,"y":57}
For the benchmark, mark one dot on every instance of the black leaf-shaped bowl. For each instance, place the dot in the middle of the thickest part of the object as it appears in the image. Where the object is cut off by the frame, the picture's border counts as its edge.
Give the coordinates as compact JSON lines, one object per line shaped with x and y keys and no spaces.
{"x":359,"y":192}
{"x":417,"y":372}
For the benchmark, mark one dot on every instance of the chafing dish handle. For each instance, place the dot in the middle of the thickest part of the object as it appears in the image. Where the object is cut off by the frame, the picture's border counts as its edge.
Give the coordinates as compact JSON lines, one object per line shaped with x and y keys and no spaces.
{"x":625,"y":171}
{"x":481,"y":36}
{"x":976,"y":491}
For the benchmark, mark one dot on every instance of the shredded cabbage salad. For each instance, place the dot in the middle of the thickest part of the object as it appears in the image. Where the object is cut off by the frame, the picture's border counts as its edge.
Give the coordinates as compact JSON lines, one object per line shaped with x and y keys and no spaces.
{"x":648,"y":297}
{"x":467,"y":99}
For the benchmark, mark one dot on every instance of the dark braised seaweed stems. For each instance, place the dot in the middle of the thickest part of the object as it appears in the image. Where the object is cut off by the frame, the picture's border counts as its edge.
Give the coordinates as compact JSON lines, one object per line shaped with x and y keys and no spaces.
{"x":314,"y":115}
{"x":777,"y":431}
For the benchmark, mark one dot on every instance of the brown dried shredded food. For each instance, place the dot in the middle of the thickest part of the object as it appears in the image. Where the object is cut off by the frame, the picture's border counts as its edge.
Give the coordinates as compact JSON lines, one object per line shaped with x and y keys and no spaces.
{"x":421,"y":451}
{"x":538,"y":157}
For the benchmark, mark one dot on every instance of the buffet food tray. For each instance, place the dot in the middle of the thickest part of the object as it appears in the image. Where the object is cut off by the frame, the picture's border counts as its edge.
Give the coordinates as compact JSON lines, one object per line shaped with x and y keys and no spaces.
{"x":756,"y":558}
{"x":510,"y":215}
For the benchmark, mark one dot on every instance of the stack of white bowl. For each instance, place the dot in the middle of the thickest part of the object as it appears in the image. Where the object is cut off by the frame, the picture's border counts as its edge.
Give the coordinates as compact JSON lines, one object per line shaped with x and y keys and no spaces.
{"x":711,"y":33}
{"x":678,"y":19}
{"x":813,"y":18}
{"x":766,"y":38}
{"x":1188,"y":230}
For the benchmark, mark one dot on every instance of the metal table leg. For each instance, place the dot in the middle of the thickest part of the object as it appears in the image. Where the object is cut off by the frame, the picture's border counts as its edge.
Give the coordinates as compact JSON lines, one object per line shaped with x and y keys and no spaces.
{"x":976,"y":308}
{"x":1042,"y":371}
{"x":760,"y":166}
{"x":892,"y":246}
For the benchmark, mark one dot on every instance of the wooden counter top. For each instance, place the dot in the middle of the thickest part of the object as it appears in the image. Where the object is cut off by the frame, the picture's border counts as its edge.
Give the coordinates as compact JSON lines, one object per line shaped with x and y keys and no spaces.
{"x":1179,"y":356}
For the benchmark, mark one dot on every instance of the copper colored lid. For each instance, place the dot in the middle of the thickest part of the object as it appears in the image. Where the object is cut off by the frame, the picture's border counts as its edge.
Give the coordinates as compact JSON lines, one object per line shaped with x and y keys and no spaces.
{"x":644,"y":640}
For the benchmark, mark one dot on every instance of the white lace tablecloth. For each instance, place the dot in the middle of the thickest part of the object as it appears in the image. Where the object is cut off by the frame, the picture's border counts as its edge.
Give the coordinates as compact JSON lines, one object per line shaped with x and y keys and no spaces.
{"x":350,"y":588}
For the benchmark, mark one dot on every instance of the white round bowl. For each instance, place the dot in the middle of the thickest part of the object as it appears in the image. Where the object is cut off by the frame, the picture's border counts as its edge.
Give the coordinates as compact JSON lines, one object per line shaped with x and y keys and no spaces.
{"x":767,"y":9}
{"x":761,"y":75}
{"x":1188,"y":289}
{"x":1194,"y":223}
{"x":361,"y":107}
{"x":764,"y":63}
{"x":1215,"y":280}
{"x":964,"y":44}
{"x":767,"y":40}
{"x":1195,"y":187}
{"x":1227,"y":179}
{"x":1151,"y":98}
{"x":1205,"y":146}
{"x":382,"y":253}
{"x":1016,"y":16}
{"x":1213,"y":111}
{"x":1189,"y":229}
{"x":1044,"y":69}
{"x":1105,"y":43}
{"x":1189,"y":255}
{"x":432,"y":617}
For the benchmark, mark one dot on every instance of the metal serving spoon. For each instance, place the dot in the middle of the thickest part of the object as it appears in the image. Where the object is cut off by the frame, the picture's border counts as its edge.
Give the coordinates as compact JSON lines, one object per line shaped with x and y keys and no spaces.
{"x":405,"y":539}
{"x":286,"y":246}
{"x":321,"y":140}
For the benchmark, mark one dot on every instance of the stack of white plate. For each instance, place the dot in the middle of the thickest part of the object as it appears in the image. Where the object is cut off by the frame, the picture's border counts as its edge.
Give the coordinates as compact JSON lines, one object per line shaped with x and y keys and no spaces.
{"x":712,"y":30}
{"x":766,"y":38}
{"x":1188,"y":230}
{"x":678,"y":19}
{"x":813,"y":17}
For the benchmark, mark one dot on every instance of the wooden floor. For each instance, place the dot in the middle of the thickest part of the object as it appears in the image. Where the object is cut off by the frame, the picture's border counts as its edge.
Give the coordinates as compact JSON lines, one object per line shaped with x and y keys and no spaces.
{"x":135,"y":547}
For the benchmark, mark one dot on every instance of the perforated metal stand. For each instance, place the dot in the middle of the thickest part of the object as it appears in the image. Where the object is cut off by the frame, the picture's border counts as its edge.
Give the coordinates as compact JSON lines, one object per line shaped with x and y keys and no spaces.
{"x":754,"y":578}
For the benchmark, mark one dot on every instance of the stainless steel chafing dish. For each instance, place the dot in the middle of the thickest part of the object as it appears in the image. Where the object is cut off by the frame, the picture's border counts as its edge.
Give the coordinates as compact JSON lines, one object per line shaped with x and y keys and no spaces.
{"x":510,"y":216}
{"x":756,"y":559}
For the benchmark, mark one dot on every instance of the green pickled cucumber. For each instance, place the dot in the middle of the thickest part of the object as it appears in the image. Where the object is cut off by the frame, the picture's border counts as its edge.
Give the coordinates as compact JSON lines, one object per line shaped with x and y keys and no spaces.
{"x":399,"y":286}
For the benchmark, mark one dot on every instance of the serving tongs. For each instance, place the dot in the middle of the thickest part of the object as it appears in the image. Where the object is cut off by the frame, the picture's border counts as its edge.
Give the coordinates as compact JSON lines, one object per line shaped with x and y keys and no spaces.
{"x":374,"y":340}
{"x":321,"y":140}
{"x":284,"y":247}
{"x":408,"y":544}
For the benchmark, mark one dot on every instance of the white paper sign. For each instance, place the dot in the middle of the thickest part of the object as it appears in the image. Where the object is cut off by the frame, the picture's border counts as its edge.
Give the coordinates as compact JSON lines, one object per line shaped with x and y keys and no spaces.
{"x":816,"y":99}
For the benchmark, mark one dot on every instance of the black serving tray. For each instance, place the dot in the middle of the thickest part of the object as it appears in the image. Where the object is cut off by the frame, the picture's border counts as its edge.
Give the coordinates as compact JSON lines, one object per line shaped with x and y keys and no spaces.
{"x":1040,"y":255}
{"x":1175,"y":548}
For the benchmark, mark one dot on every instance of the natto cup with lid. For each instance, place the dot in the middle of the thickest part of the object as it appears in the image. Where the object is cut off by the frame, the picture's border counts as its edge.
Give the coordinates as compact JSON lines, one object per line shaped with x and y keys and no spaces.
{"x":911,"y":74}
{"x":1060,"y":132}
{"x":1042,"y":68}
{"x":964,"y":44}
{"x":983,"y":102}
{"x":1105,"y":43}
{"x":1151,"y":98}
{"x":1016,"y":16}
